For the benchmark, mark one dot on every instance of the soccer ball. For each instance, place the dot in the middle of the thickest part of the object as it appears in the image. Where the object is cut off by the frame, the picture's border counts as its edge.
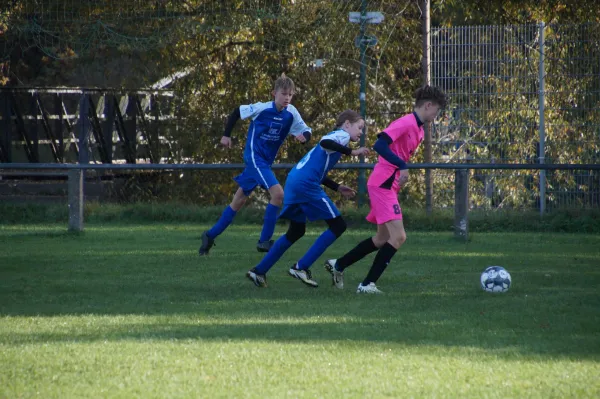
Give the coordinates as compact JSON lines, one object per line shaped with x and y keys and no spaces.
{"x":495,"y":279}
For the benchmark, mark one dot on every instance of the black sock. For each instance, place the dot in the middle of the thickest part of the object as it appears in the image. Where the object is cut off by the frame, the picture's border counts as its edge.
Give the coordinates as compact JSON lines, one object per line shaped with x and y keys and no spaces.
{"x":383,"y":257}
{"x":355,"y":254}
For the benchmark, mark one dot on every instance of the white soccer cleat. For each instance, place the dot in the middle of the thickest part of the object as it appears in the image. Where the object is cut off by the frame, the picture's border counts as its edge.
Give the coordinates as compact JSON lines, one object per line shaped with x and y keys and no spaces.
{"x":303,"y":275}
{"x":260,"y":280}
{"x":368,"y":289}
{"x":337,"y":278}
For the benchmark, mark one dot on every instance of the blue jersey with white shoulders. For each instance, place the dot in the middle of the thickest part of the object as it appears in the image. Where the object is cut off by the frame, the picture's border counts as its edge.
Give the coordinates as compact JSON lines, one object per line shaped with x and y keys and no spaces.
{"x":304,"y":180}
{"x":268,"y":129}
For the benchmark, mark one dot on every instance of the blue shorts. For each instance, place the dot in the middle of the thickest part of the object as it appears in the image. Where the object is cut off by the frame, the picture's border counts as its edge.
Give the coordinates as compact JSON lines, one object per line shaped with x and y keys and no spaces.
{"x":317,"y":209}
{"x":252,"y":177}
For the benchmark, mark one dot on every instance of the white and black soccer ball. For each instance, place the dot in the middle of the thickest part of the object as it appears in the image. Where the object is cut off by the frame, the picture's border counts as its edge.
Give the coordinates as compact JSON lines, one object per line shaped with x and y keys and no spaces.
{"x":495,"y":279}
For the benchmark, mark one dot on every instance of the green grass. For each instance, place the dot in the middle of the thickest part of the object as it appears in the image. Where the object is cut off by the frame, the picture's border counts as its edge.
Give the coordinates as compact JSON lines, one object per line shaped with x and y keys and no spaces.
{"x":131,"y":311}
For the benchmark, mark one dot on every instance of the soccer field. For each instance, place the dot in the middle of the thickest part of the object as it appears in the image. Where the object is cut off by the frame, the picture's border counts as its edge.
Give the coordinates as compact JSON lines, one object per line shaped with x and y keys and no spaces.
{"x":133,"y":311}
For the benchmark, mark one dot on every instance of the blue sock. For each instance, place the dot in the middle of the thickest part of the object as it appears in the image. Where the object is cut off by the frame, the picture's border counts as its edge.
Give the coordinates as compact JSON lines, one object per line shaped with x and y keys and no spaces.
{"x":224,"y":221}
{"x":317,"y":249}
{"x":269,"y":223}
{"x":276,"y":251}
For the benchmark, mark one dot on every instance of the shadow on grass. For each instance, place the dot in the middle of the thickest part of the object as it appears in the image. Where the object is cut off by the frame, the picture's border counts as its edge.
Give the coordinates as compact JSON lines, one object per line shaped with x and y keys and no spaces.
{"x":42,"y":234}
{"x":413,"y":313}
{"x":92,"y":289}
{"x":461,"y":331}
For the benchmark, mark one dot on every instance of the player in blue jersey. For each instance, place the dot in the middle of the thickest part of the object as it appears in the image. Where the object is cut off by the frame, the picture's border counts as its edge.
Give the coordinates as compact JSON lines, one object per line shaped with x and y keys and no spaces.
{"x":305,"y":199}
{"x":271,"y":122}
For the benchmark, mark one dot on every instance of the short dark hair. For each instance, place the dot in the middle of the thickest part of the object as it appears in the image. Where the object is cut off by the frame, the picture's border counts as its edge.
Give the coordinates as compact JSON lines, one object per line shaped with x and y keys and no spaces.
{"x":347,"y":115}
{"x":430,"y":93}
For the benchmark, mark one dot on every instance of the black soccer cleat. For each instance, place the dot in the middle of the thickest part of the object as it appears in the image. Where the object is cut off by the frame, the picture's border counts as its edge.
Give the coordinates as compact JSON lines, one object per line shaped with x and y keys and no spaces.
{"x":264,"y":246}
{"x":207,"y":244}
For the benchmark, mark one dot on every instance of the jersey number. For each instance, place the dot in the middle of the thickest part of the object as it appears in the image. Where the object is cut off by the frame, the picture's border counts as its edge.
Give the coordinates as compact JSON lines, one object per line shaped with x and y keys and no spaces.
{"x":305,"y":159}
{"x":397,"y":209}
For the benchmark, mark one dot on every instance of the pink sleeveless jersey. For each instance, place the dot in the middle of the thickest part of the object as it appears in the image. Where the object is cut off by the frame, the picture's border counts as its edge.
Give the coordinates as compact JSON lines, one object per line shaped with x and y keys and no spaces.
{"x":406,"y":136}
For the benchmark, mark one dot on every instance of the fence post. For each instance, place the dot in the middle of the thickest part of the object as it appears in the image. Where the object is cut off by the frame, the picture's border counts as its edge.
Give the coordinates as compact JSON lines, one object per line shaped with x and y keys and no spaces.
{"x":75,"y":185}
{"x":461,"y":204}
{"x":426,"y":65}
{"x":542,"y":127}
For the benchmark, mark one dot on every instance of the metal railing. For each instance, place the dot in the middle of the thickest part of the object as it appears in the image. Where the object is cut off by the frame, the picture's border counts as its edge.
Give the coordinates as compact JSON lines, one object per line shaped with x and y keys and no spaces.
{"x":461,"y":180}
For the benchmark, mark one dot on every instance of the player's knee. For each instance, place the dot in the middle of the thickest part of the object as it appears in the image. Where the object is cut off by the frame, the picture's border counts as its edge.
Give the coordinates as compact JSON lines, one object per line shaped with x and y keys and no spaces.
{"x":238,"y":201}
{"x":379,"y":241}
{"x":398,"y":239}
{"x":402,"y":238}
{"x":295,"y":231}
{"x":276,"y":196}
{"x":337,"y":226}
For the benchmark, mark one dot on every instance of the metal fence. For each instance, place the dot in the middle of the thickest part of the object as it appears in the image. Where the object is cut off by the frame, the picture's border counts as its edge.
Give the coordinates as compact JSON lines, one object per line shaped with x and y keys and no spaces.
{"x":520,"y":94}
{"x":459,"y":175}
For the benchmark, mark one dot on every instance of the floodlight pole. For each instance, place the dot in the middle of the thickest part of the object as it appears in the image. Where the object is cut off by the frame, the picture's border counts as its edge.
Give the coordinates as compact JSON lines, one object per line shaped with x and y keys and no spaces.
{"x":362,"y":42}
{"x":426,"y":31}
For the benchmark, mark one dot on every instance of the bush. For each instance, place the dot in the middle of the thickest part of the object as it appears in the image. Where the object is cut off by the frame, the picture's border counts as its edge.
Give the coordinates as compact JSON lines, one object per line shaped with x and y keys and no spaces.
{"x":570,"y":220}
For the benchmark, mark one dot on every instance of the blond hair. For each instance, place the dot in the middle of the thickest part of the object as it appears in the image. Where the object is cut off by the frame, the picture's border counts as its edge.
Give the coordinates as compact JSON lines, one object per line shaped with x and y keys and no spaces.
{"x":284,"y":83}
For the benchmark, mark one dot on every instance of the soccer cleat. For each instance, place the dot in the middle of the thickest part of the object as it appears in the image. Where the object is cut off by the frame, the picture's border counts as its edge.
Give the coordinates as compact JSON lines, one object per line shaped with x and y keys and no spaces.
{"x":337,"y":278}
{"x":264,"y":246}
{"x":207,"y":244}
{"x":303,"y":275}
{"x":260,"y":280}
{"x":368,"y":289}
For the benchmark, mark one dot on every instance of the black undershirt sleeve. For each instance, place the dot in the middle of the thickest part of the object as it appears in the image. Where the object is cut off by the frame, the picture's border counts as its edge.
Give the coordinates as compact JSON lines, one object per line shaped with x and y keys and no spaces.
{"x":382,"y":147}
{"x":233,"y":118}
{"x":331,"y":145}
{"x":327,"y":182}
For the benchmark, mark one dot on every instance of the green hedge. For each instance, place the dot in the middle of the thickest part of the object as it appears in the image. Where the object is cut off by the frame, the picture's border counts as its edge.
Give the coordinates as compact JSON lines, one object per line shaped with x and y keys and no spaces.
{"x":564,"y":220}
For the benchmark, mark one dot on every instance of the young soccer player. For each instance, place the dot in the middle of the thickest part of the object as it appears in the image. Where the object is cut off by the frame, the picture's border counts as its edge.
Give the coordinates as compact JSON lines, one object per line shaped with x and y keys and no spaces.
{"x":271,"y":123}
{"x":305,"y":199}
{"x":395,"y":145}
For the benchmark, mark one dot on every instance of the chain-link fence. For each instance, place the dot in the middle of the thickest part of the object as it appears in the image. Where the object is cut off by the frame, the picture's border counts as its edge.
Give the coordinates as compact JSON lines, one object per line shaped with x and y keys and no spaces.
{"x":519,"y":94}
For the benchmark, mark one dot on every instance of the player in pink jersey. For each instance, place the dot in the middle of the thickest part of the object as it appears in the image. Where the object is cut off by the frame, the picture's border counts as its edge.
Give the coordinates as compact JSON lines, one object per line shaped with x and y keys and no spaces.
{"x":395,"y":145}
